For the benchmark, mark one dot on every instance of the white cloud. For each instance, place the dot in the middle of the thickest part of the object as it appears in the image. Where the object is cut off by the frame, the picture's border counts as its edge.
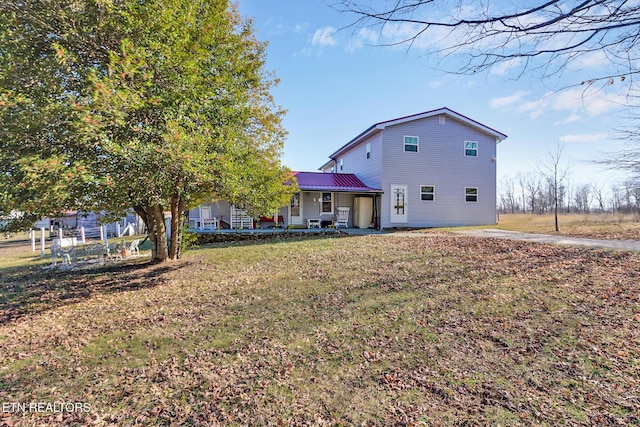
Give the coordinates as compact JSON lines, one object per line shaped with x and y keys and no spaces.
{"x":504,"y":67}
{"x":585,"y":137}
{"x":324,"y":36}
{"x":363,"y":37}
{"x":506,"y":101}
{"x":573,"y":118}
{"x":299,"y":28}
{"x":400,"y":33}
{"x":574,"y":102}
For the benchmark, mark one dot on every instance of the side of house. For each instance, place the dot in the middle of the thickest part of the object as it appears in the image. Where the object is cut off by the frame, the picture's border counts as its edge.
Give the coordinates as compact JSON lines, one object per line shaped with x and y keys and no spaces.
{"x":436,"y":168}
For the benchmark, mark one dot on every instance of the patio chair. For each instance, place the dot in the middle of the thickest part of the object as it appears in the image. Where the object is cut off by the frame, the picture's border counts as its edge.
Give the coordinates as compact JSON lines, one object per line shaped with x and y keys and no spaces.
{"x":65,"y":254}
{"x":133,"y":248}
{"x":342,"y":219}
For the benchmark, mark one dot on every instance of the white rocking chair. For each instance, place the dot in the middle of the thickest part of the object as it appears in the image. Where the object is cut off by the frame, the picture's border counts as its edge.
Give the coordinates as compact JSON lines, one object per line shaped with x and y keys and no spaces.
{"x":342,"y":219}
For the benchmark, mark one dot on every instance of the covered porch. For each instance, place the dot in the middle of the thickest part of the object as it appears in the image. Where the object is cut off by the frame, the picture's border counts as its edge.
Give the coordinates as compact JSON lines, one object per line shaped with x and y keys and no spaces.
{"x":328,"y":200}
{"x":325,"y":200}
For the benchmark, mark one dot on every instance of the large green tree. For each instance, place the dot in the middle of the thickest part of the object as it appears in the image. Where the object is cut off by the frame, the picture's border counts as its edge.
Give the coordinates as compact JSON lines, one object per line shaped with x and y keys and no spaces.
{"x":153,"y":105}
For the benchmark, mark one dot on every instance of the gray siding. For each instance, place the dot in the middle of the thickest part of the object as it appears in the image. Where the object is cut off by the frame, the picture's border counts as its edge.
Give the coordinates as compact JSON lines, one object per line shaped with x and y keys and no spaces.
{"x":311,"y":206}
{"x":440,"y":162}
{"x":219,"y":209}
{"x":369,"y":171}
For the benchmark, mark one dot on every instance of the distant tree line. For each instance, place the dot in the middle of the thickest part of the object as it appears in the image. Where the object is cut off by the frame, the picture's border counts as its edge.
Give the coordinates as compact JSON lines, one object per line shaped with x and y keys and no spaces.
{"x":533,"y":192}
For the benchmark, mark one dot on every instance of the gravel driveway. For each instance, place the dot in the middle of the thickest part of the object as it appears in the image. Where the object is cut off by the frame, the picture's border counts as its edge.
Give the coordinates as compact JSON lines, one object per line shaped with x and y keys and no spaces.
{"x":624,"y":245}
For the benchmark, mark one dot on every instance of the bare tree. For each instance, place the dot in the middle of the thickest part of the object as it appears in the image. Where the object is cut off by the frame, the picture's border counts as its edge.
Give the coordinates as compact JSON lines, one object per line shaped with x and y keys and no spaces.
{"x":615,"y":198}
{"x":582,"y":197}
{"x":627,"y":158}
{"x":543,"y":35}
{"x":556,"y":173}
{"x":521,"y":177}
{"x":598,"y":192}
{"x":532,"y":185}
{"x":508,"y":195}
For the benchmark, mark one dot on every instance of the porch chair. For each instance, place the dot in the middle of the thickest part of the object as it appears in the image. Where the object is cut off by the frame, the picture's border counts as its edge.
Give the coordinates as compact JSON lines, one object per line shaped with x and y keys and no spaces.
{"x":342,"y":219}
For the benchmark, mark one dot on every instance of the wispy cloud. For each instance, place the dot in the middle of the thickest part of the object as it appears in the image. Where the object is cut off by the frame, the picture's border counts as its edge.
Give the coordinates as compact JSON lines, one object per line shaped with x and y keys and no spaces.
{"x":324,"y":36}
{"x":301,"y":27}
{"x":506,"y":101}
{"x":575,"y":102}
{"x":364,"y":37}
{"x":505,"y":67}
{"x":572,"y":118}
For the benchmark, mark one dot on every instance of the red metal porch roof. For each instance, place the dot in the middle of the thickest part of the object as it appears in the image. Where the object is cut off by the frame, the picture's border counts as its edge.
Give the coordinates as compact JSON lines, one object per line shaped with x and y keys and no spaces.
{"x":337,"y":182}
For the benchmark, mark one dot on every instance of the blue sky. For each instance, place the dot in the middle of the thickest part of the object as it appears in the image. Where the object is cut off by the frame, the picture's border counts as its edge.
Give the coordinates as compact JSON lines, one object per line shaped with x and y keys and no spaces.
{"x":337,"y":82}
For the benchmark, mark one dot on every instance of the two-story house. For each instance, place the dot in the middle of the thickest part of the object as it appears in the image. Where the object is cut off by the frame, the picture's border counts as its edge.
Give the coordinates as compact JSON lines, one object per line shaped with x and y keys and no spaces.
{"x":431,"y":169}
{"x":436,"y":168}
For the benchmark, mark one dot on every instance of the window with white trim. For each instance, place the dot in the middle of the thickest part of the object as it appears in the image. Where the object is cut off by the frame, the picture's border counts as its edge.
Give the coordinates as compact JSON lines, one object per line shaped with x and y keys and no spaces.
{"x":411,"y":144}
{"x":471,"y":194}
{"x":368,"y":150}
{"x":427,"y":193}
{"x":327,"y":203}
{"x":341,"y":164}
{"x":471,"y":148}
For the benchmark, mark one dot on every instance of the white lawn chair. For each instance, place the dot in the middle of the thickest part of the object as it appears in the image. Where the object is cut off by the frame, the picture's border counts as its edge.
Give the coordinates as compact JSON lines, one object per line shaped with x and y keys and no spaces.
{"x":342,"y":219}
{"x":133,"y":248}
{"x":65,"y":254}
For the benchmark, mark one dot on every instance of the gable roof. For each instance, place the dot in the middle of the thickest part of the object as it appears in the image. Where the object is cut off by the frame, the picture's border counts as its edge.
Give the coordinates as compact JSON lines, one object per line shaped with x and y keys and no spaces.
{"x":336,"y":182}
{"x":499,"y":136}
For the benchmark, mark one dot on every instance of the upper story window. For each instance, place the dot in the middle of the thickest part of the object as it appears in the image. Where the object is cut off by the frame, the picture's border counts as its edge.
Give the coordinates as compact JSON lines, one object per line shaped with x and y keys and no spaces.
{"x":341,"y":164}
{"x":411,"y":144}
{"x":427,"y":193}
{"x":368,"y":150}
{"x":471,"y":148}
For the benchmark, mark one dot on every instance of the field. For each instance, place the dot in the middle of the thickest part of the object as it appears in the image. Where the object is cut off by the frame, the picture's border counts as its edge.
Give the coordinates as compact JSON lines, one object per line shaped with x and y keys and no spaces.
{"x":598,"y":226}
{"x":424,"y":329}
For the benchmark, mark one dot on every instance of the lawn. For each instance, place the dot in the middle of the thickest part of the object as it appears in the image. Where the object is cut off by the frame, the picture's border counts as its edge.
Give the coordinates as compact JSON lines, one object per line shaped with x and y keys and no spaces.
{"x":424,"y":329}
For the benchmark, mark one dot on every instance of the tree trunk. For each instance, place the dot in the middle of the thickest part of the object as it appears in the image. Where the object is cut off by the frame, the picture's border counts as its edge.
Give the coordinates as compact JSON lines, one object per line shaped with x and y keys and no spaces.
{"x":177,"y":209}
{"x":153,"y":217}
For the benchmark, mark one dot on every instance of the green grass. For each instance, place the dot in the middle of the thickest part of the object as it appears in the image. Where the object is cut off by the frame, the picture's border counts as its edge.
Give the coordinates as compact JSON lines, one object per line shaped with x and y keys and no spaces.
{"x":429,"y":329}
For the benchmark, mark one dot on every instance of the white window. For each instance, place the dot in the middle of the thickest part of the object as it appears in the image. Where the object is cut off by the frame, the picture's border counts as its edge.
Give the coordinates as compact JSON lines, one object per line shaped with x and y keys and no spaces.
{"x":471,"y":194}
{"x":327,"y":203}
{"x":427,"y":193}
{"x":368,"y":150}
{"x":471,"y":148}
{"x":341,"y":164}
{"x":411,"y":144}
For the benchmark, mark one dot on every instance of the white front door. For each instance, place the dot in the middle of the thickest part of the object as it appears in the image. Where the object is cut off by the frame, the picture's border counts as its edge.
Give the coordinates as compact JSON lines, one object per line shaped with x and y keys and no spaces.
{"x":398,"y":199}
{"x":295,"y":210}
